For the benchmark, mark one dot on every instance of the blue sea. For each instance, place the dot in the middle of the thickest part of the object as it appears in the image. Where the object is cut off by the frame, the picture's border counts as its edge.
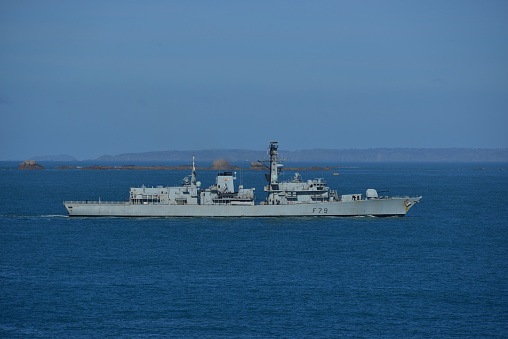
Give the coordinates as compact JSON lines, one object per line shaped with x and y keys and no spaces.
{"x":439,"y":272}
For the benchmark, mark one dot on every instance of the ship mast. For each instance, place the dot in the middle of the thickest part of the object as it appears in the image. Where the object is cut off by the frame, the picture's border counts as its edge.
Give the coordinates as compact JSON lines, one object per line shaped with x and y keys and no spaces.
{"x":193,"y":176}
{"x":274,"y":175}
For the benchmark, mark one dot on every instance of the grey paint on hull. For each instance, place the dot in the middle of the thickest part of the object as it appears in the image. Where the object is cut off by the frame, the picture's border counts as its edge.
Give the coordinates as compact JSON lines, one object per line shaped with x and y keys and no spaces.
{"x":374,"y":207}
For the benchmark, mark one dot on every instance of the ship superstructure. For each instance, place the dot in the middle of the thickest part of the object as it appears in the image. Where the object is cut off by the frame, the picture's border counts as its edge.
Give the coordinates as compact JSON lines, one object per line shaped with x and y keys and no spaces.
{"x":296,"y":197}
{"x":295,"y":191}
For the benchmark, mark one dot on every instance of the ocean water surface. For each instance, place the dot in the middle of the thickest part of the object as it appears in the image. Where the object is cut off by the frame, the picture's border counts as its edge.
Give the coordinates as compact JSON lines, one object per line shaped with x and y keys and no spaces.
{"x":441,"y":271}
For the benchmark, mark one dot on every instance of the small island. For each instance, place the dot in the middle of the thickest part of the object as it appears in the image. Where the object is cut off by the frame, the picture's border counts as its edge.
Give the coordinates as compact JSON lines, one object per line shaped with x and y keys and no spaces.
{"x":30,"y":165}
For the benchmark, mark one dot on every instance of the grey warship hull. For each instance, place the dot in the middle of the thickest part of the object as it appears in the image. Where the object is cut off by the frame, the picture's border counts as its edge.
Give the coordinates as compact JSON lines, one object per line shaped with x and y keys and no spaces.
{"x":295,"y":198}
{"x":378,"y":208}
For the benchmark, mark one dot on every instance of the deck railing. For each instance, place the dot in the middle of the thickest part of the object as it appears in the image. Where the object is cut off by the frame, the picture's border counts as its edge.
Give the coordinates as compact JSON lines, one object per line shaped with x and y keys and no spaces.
{"x":88,"y":202}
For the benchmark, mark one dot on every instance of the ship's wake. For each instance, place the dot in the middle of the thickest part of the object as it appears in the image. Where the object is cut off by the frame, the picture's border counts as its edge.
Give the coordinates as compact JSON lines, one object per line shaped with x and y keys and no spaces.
{"x":47,"y":216}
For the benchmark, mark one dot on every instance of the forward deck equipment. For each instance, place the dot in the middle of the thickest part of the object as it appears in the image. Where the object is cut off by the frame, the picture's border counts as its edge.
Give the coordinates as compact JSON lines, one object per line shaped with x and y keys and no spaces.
{"x":295,"y":198}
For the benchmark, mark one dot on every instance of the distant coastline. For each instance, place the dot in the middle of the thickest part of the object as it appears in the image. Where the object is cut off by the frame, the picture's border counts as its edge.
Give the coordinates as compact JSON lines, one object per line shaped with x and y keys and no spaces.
{"x":315,"y":156}
{"x":253,"y":167}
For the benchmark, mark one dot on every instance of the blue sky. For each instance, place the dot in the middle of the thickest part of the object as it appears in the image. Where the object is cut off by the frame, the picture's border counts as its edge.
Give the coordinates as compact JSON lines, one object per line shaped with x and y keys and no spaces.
{"x":88,"y":78}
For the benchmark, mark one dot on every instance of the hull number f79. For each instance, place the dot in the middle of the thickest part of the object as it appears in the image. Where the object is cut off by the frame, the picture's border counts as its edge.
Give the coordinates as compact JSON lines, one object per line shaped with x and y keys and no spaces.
{"x":320,"y":210}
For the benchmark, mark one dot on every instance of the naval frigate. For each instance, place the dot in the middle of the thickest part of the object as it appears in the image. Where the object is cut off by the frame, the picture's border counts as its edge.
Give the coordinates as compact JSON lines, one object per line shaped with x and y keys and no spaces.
{"x":293,"y":198}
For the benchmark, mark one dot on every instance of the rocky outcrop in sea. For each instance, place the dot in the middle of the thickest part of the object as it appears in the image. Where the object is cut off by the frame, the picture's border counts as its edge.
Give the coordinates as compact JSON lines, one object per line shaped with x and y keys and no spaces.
{"x":30,"y":165}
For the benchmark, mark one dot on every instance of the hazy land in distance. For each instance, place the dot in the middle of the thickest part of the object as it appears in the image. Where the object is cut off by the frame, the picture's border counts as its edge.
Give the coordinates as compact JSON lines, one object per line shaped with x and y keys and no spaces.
{"x":315,"y":155}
